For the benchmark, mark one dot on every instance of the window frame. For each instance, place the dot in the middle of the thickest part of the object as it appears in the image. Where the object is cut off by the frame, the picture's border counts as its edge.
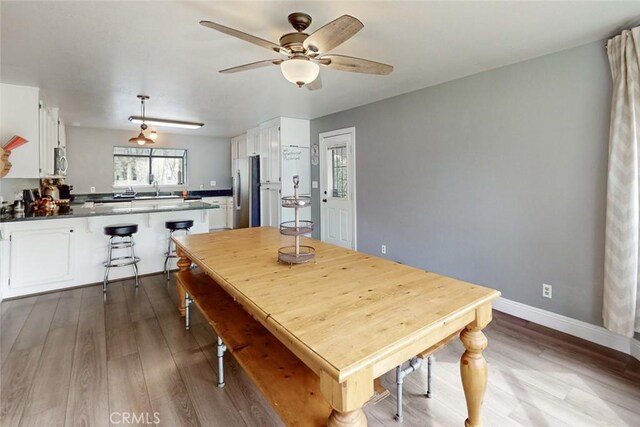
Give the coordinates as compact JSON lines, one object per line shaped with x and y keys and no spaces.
{"x":151,"y":156}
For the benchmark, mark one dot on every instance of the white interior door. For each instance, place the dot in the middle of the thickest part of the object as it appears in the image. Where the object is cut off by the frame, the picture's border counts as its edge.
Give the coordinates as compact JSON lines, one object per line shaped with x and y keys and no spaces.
{"x":337,"y":187}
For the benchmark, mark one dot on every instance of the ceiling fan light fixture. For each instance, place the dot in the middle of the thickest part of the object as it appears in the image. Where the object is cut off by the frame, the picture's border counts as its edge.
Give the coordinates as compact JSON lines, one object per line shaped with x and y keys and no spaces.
{"x":300,"y":70}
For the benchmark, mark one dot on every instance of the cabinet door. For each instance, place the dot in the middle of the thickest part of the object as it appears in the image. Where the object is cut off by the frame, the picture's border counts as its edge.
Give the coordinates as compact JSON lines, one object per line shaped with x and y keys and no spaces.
{"x":274,"y":154}
{"x":229,"y":212}
{"x":265,"y":154}
{"x":41,"y":257}
{"x":253,"y":142}
{"x":20,"y":107}
{"x":62,"y":134}
{"x":274,"y":207}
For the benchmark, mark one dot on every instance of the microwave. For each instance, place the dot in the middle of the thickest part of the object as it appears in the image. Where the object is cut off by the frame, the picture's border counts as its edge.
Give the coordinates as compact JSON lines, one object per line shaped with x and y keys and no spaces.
{"x":60,"y":161}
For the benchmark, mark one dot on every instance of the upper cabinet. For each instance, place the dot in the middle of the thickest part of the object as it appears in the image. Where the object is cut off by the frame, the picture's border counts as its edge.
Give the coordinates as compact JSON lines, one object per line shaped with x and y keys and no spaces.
{"x":24,"y":114}
{"x":21,"y":116}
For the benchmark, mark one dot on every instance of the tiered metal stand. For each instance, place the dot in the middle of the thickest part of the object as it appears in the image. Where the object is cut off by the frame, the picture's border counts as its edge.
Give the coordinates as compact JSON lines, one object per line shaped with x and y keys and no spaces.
{"x":298,"y":253}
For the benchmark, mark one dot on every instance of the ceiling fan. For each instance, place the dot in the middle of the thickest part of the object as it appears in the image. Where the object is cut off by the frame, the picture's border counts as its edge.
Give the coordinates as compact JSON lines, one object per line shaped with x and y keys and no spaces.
{"x":305,"y":53}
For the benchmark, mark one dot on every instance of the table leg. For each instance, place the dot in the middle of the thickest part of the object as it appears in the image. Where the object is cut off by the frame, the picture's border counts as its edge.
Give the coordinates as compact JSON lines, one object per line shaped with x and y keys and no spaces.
{"x":355,"y":418}
{"x":184,"y":264}
{"x":473,"y":370}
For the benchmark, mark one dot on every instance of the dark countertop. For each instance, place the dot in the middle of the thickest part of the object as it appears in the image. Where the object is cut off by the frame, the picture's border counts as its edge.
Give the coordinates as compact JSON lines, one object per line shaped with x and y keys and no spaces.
{"x":110,"y":197}
{"x":77,"y":211}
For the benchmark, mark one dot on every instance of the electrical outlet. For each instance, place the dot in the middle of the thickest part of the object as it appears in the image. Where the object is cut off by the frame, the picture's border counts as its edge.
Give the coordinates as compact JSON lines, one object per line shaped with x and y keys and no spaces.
{"x":383,"y":249}
{"x":314,"y":184}
{"x":92,"y":189}
{"x":547,"y":291}
{"x":202,"y":186}
{"x":212,"y":183}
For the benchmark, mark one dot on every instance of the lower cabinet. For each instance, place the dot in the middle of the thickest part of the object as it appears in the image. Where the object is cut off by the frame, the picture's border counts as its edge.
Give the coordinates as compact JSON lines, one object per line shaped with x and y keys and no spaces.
{"x":50,"y":254}
{"x":220,"y":218}
{"x":41,"y":257}
{"x":270,"y":205}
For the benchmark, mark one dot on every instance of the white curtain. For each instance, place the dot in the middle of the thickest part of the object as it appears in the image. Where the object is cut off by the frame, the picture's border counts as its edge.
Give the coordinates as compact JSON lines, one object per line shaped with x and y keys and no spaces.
{"x":621,"y":307}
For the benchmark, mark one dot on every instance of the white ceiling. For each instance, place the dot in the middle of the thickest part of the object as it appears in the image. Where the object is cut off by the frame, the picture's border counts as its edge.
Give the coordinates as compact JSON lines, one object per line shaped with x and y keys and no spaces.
{"x":92,"y":58}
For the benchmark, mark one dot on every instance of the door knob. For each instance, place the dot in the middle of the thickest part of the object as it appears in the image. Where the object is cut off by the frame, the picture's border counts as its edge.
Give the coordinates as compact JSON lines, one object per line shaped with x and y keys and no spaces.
{"x":324,"y":200}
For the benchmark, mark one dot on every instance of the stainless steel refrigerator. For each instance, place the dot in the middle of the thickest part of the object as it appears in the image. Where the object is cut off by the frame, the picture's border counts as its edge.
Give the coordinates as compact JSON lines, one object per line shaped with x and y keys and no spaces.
{"x":246,"y":192}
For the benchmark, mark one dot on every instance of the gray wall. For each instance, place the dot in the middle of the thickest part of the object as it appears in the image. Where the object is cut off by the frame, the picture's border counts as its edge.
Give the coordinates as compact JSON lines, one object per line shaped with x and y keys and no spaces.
{"x":498,"y":178}
{"x":90,"y":154}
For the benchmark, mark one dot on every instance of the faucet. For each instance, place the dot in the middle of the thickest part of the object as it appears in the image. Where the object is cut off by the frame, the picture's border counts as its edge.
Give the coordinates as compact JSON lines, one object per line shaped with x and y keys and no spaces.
{"x":157,"y":187}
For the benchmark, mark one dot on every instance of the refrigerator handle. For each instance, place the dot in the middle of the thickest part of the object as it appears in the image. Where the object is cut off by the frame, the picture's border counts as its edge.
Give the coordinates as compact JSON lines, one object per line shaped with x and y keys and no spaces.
{"x":239,"y":188}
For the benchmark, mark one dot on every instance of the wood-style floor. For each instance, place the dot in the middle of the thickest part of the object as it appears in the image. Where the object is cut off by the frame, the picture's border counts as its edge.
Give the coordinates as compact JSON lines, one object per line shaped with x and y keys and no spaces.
{"x":68,"y":358}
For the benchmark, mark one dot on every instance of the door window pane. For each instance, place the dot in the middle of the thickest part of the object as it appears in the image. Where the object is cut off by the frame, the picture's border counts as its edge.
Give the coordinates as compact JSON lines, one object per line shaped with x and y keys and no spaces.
{"x":338,"y":163}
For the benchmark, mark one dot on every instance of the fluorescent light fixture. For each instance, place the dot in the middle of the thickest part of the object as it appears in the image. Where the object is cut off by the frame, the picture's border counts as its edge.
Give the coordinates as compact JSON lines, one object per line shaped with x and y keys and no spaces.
{"x":164,"y":122}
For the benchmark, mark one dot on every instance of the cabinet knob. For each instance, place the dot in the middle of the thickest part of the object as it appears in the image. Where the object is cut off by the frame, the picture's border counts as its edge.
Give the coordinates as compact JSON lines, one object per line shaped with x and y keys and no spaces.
{"x":324,"y":200}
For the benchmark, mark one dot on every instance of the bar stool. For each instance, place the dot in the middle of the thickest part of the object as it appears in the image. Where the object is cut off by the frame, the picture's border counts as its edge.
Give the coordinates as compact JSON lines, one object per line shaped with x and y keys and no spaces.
{"x":121,"y":238}
{"x":173,"y":226}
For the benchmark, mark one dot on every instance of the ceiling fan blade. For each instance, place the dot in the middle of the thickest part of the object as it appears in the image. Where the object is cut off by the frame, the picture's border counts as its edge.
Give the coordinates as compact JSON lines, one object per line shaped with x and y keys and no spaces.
{"x":355,"y":65}
{"x":251,"y":66}
{"x":315,"y":85}
{"x":244,"y":36}
{"x":333,"y":34}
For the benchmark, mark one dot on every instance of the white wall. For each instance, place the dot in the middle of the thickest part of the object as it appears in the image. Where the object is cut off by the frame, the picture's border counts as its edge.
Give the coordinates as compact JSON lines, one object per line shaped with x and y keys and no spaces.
{"x":90,"y":155}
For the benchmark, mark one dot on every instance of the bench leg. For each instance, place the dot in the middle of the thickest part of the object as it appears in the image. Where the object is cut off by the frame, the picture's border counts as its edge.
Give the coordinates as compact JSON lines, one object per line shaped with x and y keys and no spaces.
{"x":187,"y":303}
{"x":429,"y":367}
{"x":184,"y":264}
{"x":355,"y":418}
{"x":221,"y":349}
{"x":399,"y":382}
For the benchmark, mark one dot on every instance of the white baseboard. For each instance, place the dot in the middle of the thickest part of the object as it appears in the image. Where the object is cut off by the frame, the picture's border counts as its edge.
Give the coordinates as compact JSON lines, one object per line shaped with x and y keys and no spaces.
{"x":578,"y":328}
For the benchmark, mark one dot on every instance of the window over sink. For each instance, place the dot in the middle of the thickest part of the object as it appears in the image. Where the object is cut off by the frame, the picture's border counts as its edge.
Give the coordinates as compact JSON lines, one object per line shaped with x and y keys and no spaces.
{"x":143,"y":166}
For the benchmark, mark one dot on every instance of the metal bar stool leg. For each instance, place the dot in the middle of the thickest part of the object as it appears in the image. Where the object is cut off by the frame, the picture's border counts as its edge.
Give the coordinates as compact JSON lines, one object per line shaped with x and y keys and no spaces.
{"x":133,"y":257}
{"x":108,"y":267}
{"x":221,"y":349}
{"x":168,"y":256}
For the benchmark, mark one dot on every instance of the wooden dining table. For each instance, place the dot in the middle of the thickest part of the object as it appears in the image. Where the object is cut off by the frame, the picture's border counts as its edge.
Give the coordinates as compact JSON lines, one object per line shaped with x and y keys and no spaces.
{"x":350,"y":316}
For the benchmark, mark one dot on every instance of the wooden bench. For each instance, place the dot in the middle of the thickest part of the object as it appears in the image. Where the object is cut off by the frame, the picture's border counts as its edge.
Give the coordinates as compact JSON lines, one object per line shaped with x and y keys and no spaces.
{"x":290,"y":386}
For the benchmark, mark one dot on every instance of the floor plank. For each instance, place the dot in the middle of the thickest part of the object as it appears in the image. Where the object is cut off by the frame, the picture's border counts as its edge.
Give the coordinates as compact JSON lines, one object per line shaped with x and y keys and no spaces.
{"x":127,"y":389}
{"x":53,"y":374}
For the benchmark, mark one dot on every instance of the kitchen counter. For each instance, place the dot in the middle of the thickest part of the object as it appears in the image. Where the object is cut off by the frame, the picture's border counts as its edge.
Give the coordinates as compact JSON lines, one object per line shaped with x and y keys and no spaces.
{"x":79,"y":211}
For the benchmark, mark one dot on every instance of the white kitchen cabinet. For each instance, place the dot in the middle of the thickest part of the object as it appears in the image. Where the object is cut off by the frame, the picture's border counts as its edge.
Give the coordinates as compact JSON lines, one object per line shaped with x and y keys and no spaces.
{"x":20,"y":116}
{"x":218,"y":218}
{"x":49,"y":132}
{"x":45,"y":255}
{"x":41,"y":257}
{"x":270,"y":205}
{"x":274,"y":153}
{"x":62,"y":134}
{"x":230,"y":212}
{"x":253,"y":142}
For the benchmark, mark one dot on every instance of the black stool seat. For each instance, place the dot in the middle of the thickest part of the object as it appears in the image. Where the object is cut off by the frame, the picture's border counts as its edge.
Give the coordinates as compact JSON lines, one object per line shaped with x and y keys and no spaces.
{"x":179,"y":224}
{"x":121,"y":230}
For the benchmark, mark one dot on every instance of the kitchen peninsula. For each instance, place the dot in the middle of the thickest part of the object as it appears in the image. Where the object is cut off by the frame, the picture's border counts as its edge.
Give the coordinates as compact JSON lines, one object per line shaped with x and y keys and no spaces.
{"x":67,"y":248}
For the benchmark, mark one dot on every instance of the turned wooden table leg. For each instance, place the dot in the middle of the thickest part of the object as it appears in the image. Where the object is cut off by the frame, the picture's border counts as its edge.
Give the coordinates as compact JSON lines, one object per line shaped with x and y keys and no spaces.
{"x":473,"y":370}
{"x":184,"y":264}
{"x":355,"y":418}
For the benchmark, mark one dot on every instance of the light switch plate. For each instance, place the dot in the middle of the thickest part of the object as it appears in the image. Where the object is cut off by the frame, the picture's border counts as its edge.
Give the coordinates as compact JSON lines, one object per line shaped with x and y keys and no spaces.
{"x":314,"y":184}
{"x":212,"y":183}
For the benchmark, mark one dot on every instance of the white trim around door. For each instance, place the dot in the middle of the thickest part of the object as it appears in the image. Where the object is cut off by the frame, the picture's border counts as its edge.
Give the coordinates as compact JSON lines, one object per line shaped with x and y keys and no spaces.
{"x":325,"y":139}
